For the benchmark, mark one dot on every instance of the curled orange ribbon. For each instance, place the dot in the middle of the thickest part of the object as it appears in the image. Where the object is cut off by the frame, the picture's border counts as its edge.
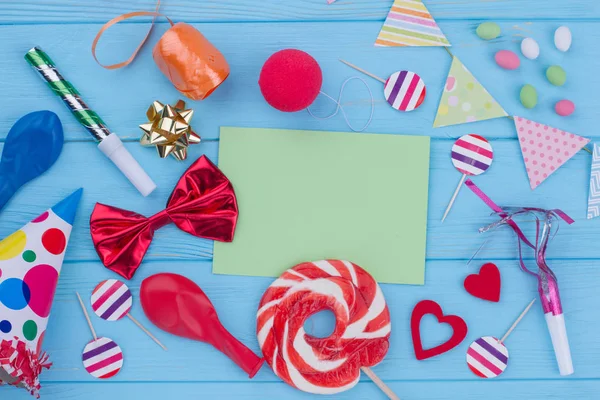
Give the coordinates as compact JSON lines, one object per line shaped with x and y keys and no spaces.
{"x":193,"y":64}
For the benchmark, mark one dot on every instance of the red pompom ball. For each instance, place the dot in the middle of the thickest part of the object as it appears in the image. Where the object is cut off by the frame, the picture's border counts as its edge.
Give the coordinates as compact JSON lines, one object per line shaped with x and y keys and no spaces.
{"x":290,"y":80}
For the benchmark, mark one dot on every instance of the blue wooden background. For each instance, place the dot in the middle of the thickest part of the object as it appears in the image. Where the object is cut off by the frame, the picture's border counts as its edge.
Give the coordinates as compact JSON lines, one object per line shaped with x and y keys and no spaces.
{"x":247,"y":32}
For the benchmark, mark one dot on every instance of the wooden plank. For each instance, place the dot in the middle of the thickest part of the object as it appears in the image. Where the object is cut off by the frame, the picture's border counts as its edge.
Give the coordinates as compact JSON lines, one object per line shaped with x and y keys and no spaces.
{"x":122,"y":97}
{"x":236,"y":300}
{"x":431,"y":390}
{"x":40,"y":11}
{"x":82,"y":165}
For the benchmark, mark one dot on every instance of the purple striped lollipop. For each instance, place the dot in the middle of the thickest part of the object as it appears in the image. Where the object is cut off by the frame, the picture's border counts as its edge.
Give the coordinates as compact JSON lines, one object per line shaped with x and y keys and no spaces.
{"x":471,"y":155}
{"x":102,"y":357}
{"x":403,"y":90}
{"x":487,"y":357}
{"x":112,"y":301}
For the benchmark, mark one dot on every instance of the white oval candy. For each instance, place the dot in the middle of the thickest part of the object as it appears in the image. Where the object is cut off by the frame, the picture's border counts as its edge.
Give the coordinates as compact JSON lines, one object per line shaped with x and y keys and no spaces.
{"x":562,"y":38}
{"x":530,"y":48}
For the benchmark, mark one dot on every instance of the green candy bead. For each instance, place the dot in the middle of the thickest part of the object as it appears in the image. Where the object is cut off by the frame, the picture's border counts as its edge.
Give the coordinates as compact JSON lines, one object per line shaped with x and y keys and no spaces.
{"x":528,"y":96}
{"x":488,"y":30}
{"x":556,"y":75}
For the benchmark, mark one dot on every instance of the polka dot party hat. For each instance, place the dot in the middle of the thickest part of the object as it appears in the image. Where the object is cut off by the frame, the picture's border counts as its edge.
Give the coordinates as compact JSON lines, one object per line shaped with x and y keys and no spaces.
{"x":30,"y":263}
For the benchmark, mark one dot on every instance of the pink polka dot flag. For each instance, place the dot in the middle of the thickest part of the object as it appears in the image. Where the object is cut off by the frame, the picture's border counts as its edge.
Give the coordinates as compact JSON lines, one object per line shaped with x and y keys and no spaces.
{"x":545,"y":149}
{"x":30,"y":263}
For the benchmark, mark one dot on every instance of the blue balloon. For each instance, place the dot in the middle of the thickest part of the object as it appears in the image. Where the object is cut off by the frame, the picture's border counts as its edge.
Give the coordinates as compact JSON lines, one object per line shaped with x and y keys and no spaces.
{"x":32,"y":146}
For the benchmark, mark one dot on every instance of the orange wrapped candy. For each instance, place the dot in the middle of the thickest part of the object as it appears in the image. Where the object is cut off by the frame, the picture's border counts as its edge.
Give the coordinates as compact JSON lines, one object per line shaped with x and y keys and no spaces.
{"x":192,"y":63}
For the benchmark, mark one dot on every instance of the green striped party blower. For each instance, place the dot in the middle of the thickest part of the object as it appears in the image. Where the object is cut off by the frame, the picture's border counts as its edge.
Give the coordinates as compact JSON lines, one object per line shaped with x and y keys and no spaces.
{"x":109,"y":143}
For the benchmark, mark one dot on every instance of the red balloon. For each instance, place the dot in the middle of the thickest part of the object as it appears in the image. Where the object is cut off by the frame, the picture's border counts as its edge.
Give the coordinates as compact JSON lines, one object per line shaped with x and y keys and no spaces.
{"x":177,"y":305}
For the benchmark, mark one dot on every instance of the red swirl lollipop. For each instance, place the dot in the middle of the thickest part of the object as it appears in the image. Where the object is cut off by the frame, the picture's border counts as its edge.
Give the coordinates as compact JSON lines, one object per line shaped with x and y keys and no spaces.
{"x":360,"y":339}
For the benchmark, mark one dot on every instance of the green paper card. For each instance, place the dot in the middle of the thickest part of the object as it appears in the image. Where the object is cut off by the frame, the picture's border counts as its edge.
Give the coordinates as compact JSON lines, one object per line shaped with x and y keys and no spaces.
{"x":310,"y":195}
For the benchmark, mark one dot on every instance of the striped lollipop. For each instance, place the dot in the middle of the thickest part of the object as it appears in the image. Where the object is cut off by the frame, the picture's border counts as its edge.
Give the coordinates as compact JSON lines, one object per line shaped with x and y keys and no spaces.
{"x":112,"y":301}
{"x":487,"y":357}
{"x":471,"y":155}
{"x":403,"y":90}
{"x":102,"y":358}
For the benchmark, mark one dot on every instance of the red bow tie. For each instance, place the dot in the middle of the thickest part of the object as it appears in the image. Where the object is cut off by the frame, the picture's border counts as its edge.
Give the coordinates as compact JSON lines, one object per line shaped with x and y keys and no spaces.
{"x":203,"y":204}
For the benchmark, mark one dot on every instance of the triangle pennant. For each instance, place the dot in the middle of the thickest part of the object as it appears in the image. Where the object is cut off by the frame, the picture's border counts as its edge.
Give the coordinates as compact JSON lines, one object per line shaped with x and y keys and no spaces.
{"x":409,"y":23}
{"x":464,"y":99}
{"x":594,"y":198}
{"x":545,"y":149}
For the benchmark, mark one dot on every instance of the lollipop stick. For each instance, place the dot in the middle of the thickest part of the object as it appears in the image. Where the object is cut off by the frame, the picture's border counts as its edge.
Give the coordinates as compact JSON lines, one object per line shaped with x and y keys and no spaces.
{"x":363,"y":71}
{"x":147,"y":332}
{"x":384,"y":388}
{"x":462,"y":180}
{"x":514,"y":325}
{"x":87,"y":317}
{"x":477,"y":252}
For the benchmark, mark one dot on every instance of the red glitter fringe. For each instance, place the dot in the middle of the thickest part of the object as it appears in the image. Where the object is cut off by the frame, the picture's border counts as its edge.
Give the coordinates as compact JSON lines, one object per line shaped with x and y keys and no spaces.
{"x":23,"y":364}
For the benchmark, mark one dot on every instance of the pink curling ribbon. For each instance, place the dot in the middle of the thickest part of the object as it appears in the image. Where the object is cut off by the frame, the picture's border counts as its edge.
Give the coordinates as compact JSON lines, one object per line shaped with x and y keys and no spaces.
{"x":547,"y":282}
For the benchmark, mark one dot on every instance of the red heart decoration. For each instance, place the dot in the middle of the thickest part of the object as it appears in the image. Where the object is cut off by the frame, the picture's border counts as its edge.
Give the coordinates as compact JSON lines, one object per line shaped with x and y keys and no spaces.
{"x":458,"y":325}
{"x":486,"y":284}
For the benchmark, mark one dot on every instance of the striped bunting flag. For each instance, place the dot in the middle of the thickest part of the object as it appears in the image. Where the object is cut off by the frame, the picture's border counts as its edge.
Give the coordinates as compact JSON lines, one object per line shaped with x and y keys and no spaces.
{"x":594,"y":199}
{"x":409,"y":23}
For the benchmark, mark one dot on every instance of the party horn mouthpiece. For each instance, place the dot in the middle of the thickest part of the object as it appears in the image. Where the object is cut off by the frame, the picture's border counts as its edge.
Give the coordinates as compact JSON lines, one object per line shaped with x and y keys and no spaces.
{"x":560,"y":342}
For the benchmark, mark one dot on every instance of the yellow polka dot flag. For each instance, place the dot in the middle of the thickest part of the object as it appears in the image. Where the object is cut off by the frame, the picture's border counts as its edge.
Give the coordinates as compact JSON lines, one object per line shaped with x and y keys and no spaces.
{"x":409,"y":23}
{"x":464,"y":99}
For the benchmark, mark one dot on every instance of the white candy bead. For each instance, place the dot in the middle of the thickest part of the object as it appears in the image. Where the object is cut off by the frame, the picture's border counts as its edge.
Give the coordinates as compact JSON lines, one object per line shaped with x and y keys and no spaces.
{"x":562,"y":38}
{"x":530,"y":48}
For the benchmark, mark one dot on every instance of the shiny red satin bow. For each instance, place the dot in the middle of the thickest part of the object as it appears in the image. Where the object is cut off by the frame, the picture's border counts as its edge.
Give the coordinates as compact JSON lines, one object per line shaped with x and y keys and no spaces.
{"x":203,"y":204}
